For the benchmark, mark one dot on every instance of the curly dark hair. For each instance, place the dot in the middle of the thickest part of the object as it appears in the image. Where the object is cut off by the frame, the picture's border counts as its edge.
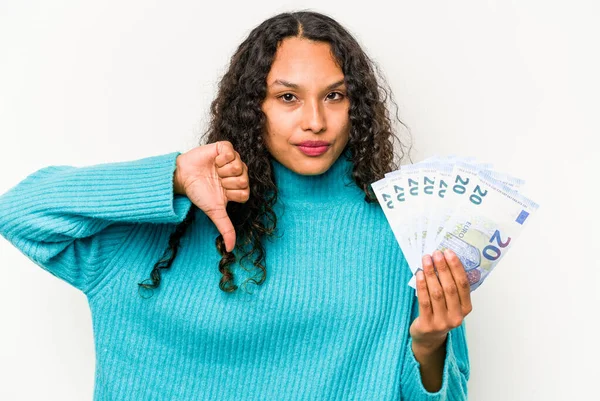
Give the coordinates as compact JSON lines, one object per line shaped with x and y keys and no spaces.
{"x":236,"y":116}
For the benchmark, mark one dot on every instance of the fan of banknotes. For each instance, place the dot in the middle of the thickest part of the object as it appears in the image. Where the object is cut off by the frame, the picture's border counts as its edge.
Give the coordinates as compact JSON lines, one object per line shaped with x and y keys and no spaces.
{"x":454,"y":203}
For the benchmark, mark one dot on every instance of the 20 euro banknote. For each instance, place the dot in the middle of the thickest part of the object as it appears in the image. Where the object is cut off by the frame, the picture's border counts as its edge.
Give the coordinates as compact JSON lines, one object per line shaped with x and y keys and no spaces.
{"x":484,"y":225}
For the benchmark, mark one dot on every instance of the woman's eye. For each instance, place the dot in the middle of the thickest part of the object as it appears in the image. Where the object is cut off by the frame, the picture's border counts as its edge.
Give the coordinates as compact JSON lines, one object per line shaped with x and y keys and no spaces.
{"x":330,"y":97}
{"x":287,"y":97}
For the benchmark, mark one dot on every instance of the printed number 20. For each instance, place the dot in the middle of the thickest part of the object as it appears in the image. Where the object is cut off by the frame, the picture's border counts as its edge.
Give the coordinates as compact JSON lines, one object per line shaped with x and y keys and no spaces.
{"x":492,"y":252}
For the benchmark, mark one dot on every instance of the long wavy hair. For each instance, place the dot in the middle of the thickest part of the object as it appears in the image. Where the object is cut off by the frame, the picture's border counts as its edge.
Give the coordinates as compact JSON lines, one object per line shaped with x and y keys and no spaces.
{"x":236,"y":116}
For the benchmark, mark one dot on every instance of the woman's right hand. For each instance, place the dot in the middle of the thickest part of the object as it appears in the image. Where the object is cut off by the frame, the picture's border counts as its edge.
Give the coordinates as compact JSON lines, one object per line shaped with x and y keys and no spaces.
{"x":210,"y":176}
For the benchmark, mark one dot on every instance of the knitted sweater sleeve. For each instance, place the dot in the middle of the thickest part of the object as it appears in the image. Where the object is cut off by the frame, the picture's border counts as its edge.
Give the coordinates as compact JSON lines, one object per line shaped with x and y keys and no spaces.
{"x":455,"y":374}
{"x":72,"y":220}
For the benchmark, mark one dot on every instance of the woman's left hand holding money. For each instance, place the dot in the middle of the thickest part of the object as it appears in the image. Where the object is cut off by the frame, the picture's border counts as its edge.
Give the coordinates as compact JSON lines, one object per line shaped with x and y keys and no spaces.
{"x":443,"y":304}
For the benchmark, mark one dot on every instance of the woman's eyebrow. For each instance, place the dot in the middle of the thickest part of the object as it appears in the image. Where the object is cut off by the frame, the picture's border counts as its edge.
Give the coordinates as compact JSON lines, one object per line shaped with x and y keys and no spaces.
{"x":296,"y":86}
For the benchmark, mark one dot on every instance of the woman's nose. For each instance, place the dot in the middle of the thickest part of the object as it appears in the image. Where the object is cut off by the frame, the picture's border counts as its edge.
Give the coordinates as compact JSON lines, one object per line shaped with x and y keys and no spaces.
{"x":313,"y":116}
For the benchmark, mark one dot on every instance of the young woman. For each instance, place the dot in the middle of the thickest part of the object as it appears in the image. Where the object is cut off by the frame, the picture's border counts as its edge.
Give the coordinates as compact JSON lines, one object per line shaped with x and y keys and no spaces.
{"x":279,"y":197}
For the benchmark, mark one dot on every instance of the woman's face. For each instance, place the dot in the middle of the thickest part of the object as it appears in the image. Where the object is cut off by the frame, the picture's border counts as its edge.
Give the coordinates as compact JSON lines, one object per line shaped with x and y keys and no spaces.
{"x":306,"y":102}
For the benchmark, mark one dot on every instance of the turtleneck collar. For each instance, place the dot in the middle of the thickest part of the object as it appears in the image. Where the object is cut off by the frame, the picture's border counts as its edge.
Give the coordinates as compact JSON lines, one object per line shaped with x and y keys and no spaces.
{"x":334,"y":184}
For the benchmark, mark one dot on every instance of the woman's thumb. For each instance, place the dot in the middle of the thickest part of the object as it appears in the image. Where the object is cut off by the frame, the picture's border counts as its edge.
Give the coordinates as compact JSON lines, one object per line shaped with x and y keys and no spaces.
{"x":224,"y":226}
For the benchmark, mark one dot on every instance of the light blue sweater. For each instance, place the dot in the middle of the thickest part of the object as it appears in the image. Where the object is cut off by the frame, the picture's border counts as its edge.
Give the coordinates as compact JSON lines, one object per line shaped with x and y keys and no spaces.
{"x":331,"y":321}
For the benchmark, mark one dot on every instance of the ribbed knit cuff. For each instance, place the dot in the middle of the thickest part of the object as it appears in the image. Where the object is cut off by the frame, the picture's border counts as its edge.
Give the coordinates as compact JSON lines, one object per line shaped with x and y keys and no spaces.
{"x":454,"y":382}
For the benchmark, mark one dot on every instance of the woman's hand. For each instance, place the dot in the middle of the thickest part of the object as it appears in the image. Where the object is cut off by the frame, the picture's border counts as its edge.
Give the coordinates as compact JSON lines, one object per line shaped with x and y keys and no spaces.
{"x":443,"y":302}
{"x":210,"y":176}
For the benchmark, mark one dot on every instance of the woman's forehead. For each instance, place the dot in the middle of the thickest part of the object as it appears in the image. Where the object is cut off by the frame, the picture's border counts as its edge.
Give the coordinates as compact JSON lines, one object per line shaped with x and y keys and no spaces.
{"x":304,"y":62}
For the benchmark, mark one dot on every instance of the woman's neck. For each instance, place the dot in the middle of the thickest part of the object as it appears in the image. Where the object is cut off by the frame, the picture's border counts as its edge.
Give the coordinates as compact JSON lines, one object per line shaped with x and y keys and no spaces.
{"x":335,"y":184}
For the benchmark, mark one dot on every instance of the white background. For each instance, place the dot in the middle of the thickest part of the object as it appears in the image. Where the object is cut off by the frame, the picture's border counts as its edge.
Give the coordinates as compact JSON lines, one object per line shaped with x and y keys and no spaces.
{"x":514,"y":83}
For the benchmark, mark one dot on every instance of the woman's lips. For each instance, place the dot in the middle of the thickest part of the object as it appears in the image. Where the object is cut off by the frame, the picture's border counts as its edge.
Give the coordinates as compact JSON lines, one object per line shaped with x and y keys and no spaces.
{"x":313,"y":150}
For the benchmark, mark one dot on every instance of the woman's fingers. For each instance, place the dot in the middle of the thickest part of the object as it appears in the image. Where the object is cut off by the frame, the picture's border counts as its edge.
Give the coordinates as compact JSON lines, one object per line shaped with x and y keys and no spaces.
{"x":234,"y":168}
{"x":237,"y":187}
{"x":225,"y":153}
{"x":444,"y":298}
{"x":238,"y":195}
{"x":239,"y":182}
{"x":450,"y":289}
{"x":461,"y":281}
{"x":425,"y":307}
{"x":436,"y":292}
